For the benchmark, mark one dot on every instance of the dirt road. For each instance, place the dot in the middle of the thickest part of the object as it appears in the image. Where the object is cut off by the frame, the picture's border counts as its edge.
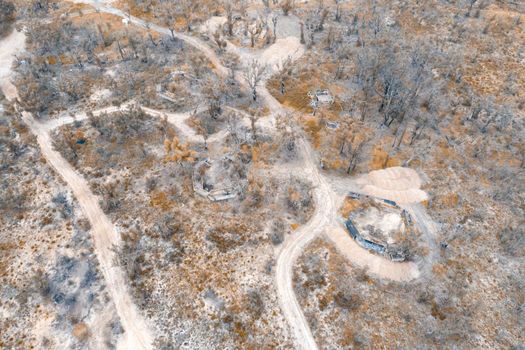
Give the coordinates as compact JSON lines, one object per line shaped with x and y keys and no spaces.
{"x":326,"y":203}
{"x":326,"y":199}
{"x":192,"y":41}
{"x":322,"y":219}
{"x":105,"y":238}
{"x":178,"y":120}
{"x":430,"y":231}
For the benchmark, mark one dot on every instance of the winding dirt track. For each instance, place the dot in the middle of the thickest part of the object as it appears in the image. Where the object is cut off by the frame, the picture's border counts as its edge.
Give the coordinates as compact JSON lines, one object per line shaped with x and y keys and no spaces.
{"x":192,"y":41}
{"x":430,"y":231}
{"x":105,"y":238}
{"x":326,"y":203}
{"x":323,"y":217}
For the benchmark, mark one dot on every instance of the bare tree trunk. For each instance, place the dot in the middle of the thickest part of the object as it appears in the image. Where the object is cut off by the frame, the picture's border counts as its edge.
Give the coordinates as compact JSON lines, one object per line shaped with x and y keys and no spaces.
{"x":274,"y":22}
{"x":401,"y":137}
{"x":151,"y":39}
{"x":253,"y":120}
{"x":311,"y":39}
{"x":416,"y":134}
{"x":287,"y":6}
{"x":79,"y":60}
{"x":354,"y":156}
{"x":343,"y":144}
{"x":120,"y":50}
{"x":339,"y":72}
{"x":363,"y":106}
{"x":101,"y":33}
{"x":337,"y":13}
{"x":386,"y":160}
{"x":472,"y":2}
{"x":230,"y":26}
{"x":253,"y":75}
{"x":324,"y":14}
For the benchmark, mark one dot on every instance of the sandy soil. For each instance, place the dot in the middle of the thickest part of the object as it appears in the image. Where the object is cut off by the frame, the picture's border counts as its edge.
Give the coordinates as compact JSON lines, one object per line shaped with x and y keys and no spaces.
{"x":388,"y":222}
{"x":177,"y":119}
{"x":401,"y":185}
{"x":288,"y":26}
{"x":374,"y":264}
{"x":105,"y":239}
{"x":280,"y":51}
{"x":326,"y":200}
{"x":212,"y":24}
{"x":323,"y":217}
{"x":94,"y":2}
{"x":13,"y":44}
{"x":430,"y":232}
{"x":52,"y":124}
{"x":100,"y":95}
{"x":287,"y":43}
{"x":271,"y":56}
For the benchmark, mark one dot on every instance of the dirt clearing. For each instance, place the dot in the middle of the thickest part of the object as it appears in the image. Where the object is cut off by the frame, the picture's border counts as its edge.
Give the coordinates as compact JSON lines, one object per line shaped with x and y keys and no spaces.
{"x":377,"y":265}
{"x":401,"y":185}
{"x":13,"y":44}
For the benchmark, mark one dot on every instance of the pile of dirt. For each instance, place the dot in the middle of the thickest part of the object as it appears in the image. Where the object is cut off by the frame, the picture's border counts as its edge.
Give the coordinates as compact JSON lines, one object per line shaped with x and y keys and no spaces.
{"x":280,"y":51}
{"x":398,"y":184}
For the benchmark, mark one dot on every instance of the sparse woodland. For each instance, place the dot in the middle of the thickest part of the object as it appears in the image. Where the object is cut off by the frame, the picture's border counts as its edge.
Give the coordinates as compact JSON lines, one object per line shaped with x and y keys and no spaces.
{"x":437,"y":86}
{"x":429,"y":86}
{"x":48,"y":269}
{"x":167,"y":229}
{"x":7,"y":17}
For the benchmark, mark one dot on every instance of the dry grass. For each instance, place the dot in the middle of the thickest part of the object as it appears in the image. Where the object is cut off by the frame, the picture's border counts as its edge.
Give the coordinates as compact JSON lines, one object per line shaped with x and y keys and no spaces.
{"x":201,"y":13}
{"x":448,"y":200}
{"x":381,"y":159}
{"x":133,"y":9}
{"x":489,"y":77}
{"x":299,"y":84}
{"x":81,"y":331}
{"x":349,"y":205}
{"x":161,"y":200}
{"x":295,"y":96}
{"x":263,"y":153}
{"x":312,"y":127}
{"x":73,"y":9}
